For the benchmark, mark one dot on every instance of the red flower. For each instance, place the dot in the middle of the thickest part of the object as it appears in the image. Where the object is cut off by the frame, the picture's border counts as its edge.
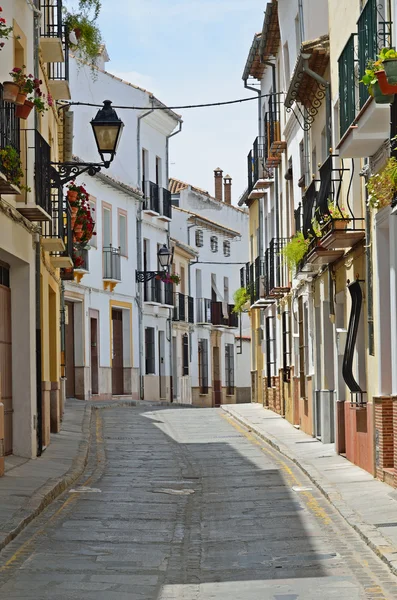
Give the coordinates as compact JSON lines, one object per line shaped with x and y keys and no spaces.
{"x":2,"y":20}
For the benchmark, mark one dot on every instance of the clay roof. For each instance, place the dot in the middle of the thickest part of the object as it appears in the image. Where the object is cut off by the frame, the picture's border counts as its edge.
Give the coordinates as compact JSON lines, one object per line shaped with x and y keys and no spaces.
{"x":265,"y":44}
{"x":303,"y":88}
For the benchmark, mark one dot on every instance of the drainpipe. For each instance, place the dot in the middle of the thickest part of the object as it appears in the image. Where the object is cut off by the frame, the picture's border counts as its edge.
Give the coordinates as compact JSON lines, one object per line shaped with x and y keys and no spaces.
{"x":39,"y":394}
{"x":168,"y":246}
{"x":139,"y":299}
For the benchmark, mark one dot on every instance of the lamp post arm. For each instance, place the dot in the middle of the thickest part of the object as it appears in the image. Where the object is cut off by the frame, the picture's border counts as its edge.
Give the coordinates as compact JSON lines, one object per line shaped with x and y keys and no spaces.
{"x":66,"y":172}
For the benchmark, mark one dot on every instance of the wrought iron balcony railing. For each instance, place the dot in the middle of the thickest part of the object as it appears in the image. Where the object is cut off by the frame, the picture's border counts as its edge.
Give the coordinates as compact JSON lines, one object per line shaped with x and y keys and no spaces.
{"x":9,"y":127}
{"x":276,"y":275}
{"x":203,"y":310}
{"x":190,"y":309}
{"x":168,"y":293}
{"x":112,"y":263}
{"x":373,"y":33}
{"x":166,"y":207}
{"x":42,"y":173}
{"x":51,"y":22}
{"x":81,"y":259}
{"x":152,"y":197}
{"x":158,"y":292}
{"x":222,"y":315}
{"x":179,"y":307}
{"x":255,"y":161}
{"x":57,"y":232}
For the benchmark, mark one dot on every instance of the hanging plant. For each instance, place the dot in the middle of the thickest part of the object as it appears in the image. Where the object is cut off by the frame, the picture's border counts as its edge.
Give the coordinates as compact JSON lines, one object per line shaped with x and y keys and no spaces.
{"x":87,"y":35}
{"x":241,"y":299}
{"x":169,"y":278}
{"x":83,"y":223}
{"x":382,"y":186}
{"x":295,"y":250}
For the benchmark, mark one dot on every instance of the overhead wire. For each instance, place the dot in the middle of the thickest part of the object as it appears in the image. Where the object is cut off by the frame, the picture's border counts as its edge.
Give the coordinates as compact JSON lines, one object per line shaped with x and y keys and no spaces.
{"x":164,"y":107}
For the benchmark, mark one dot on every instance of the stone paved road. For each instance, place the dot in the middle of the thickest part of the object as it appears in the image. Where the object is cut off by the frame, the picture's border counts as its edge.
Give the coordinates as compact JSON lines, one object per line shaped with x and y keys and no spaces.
{"x":183,"y":504}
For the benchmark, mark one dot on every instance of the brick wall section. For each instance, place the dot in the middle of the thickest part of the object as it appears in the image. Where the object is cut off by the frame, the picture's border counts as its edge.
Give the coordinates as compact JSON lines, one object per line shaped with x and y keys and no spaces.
{"x":394,"y":400}
{"x":384,"y":443}
{"x":272,"y":395}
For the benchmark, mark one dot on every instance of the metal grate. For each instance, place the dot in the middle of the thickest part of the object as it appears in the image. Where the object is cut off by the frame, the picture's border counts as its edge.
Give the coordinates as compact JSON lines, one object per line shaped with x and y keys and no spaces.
{"x":112,"y":263}
{"x":9,"y":125}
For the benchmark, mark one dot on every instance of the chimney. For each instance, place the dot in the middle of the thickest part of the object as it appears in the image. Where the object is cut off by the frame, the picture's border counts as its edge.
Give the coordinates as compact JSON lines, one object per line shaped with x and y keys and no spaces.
{"x":228,"y":189}
{"x":218,"y":184}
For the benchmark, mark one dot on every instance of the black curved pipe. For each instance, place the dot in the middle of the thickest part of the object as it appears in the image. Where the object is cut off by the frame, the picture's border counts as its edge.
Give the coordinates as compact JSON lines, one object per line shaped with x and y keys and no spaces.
{"x":347,"y":368}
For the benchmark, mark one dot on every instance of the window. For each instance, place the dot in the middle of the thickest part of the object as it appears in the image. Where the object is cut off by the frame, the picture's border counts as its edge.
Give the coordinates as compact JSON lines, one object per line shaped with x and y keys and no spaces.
{"x":226,"y":289}
{"x":270,"y":350}
{"x":214,"y":243}
{"x":214,"y":291}
{"x":199,"y":238}
{"x":203,"y":366}
{"x":185,"y":354}
{"x":302,"y":349}
{"x":226,"y":248}
{"x":107,"y":227}
{"x":229,"y":369}
{"x":150,"y":367}
{"x":123,"y":233}
{"x":158,"y":171}
{"x":93,"y":240}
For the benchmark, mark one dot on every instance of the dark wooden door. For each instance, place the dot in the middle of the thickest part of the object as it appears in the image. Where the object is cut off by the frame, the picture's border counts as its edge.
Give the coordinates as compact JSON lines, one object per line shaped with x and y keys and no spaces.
{"x":6,"y":365}
{"x":216,"y":377}
{"x":94,"y":356}
{"x":117,"y":364}
{"x":69,"y":352}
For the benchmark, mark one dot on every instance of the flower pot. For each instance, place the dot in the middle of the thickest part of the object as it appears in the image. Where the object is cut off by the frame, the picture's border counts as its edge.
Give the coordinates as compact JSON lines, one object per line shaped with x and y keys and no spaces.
{"x":10,"y":91}
{"x":21,"y":97}
{"x":390,"y":67}
{"x":22,"y":112}
{"x":78,"y":232}
{"x":379,"y":97}
{"x":340,"y":223}
{"x":74,"y":210}
{"x":72,"y":196}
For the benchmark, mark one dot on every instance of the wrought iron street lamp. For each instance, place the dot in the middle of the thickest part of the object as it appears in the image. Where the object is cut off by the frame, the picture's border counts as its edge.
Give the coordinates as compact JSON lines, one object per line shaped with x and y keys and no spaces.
{"x":165,"y":257}
{"x":107,"y":129}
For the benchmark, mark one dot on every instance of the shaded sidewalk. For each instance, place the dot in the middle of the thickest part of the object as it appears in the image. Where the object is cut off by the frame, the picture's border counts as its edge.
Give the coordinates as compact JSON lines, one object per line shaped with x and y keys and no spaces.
{"x":28,"y":486}
{"x":368,"y":505}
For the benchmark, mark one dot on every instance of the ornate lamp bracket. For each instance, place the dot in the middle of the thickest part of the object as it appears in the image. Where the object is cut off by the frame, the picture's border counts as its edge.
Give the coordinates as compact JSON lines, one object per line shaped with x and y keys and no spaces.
{"x":144,"y":276}
{"x":65,"y":172}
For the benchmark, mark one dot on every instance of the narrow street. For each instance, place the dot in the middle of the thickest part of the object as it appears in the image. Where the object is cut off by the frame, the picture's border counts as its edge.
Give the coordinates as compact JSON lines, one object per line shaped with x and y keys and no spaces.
{"x":183,"y":503}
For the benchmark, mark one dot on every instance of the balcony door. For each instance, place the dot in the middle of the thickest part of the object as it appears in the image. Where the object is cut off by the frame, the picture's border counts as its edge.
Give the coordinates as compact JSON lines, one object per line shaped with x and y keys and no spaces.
{"x":94,"y":356}
{"x":117,"y":362}
{"x":216,"y":377}
{"x":162,"y":381}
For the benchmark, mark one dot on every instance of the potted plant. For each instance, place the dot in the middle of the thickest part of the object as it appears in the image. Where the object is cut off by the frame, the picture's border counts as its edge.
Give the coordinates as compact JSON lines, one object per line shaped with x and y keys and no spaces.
{"x":370,"y":80}
{"x":295,"y":250}
{"x":11,"y":88}
{"x":338,"y":215}
{"x":241,"y":299}
{"x":4,"y":30}
{"x":11,"y":165}
{"x":86,"y":34}
{"x":19,"y":78}
{"x":388,"y":58}
{"x":382,"y":186}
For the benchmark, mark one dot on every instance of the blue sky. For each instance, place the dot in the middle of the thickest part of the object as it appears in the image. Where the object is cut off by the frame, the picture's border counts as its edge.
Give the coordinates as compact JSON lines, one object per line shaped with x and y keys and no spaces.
{"x":187,"y":52}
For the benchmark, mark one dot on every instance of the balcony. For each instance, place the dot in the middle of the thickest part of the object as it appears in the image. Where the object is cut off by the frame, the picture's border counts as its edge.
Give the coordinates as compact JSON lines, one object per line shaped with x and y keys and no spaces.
{"x":276,"y":275}
{"x":203,"y":311}
{"x":41,"y":210}
{"x":51,"y":31}
{"x":57,"y":236}
{"x":156,"y":292}
{"x":276,"y":145}
{"x":111,"y":267}
{"x":329,"y":201}
{"x":258,"y":175}
{"x":81,"y":260}
{"x":183,"y":308}
{"x":364,"y":125}
{"x":157,"y":201}
{"x":222,"y":315}
{"x":9,"y":137}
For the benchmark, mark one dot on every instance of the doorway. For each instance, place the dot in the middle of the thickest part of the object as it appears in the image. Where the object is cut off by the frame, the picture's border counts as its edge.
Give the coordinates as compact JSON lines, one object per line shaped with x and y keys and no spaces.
{"x":216,"y":377}
{"x":117,"y":362}
{"x":6,"y":361}
{"x":94,"y":356}
{"x":69,"y":351}
{"x":162,"y":384}
{"x":174,"y":369}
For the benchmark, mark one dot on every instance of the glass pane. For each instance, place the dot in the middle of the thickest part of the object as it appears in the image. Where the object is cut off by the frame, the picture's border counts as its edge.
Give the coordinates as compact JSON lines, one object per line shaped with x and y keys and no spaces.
{"x":107,"y":237}
{"x":123,"y":234}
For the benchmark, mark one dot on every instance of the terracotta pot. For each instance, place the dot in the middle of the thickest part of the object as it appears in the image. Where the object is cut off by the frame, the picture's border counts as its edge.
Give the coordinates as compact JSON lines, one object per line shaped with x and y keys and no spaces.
{"x":340,"y":223}
{"x":21,"y":97}
{"x":78,"y":232}
{"x":10,"y":91}
{"x":74,"y":210}
{"x":22,"y":112}
{"x":72,"y":196}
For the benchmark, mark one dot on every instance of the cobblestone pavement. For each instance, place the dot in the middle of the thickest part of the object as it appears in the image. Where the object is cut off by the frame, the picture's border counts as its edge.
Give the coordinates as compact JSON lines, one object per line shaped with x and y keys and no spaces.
{"x":179,"y":503}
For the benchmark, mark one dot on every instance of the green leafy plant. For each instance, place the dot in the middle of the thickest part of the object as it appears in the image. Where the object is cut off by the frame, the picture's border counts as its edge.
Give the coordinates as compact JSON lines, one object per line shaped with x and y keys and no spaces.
{"x":89,"y":38}
{"x":382,"y":186}
{"x":241,"y":298}
{"x":295,"y":250}
{"x":11,"y":165}
{"x":337,"y":212}
{"x":369,"y":78}
{"x":386,"y":54}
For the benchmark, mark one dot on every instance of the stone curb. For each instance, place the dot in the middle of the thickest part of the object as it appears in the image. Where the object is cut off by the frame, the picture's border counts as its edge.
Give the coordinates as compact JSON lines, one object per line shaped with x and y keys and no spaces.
{"x":42,"y":497}
{"x":379,"y":544}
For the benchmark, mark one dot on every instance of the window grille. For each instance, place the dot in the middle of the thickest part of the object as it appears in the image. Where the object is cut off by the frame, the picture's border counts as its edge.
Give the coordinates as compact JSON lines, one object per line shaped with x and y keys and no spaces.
{"x":199,"y":238}
{"x":226,"y":248}
{"x":214,"y":243}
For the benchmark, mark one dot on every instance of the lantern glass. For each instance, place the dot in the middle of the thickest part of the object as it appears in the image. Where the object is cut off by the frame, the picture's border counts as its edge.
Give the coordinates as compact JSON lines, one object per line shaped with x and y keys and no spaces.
{"x":107,"y":128}
{"x":165,"y":257}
